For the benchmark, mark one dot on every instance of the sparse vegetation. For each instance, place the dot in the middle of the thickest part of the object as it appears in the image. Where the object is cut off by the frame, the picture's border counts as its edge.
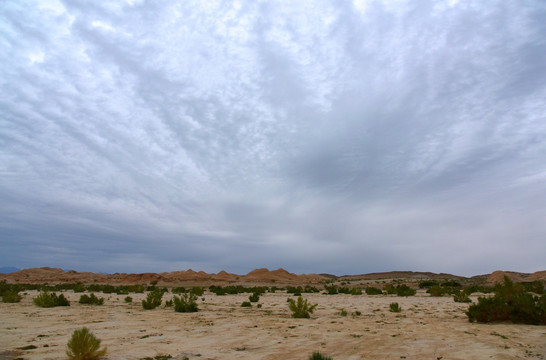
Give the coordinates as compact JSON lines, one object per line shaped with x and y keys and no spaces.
{"x":318,"y":356}
{"x":46,"y":300}
{"x":185,"y":303}
{"x":395,"y":307}
{"x":153,"y":299}
{"x":370,"y":290}
{"x":510,"y":303}
{"x":461,"y":296}
{"x":254,"y":297}
{"x":91,"y":299}
{"x":128,"y":299}
{"x":301,"y":308}
{"x":83,"y":345}
{"x":246,"y":304}
{"x":11,"y":297}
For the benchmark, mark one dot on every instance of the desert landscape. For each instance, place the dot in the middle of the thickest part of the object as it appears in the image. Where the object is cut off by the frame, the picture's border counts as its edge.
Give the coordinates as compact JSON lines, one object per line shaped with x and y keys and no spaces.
{"x":343,"y":326}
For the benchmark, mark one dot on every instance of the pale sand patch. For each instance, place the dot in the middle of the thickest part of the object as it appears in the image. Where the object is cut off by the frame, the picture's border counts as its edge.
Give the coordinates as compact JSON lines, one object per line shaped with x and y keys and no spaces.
{"x":427,"y":328}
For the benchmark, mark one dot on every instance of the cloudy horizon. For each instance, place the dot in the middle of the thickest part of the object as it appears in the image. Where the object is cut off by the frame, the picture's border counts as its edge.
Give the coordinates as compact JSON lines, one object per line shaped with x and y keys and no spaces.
{"x":339,"y":137}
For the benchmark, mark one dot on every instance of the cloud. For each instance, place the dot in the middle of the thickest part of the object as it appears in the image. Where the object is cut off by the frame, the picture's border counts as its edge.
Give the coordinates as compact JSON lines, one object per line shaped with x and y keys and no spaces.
{"x":317,"y":136}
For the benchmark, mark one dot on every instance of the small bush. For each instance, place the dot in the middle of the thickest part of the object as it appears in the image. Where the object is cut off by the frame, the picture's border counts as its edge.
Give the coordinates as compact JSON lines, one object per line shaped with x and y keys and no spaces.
{"x":185,"y":303}
{"x":46,"y":300}
{"x":343,"y":312}
{"x":331,"y":290}
{"x":370,"y":290}
{"x":254,"y":297}
{"x":404,"y":290}
{"x":301,"y":308}
{"x":153,"y":299}
{"x":318,"y":356}
{"x":356,"y":291}
{"x":83,"y":345}
{"x":461,"y":297}
{"x":394,"y":307}
{"x":11,"y":297}
{"x":168,"y":303}
{"x":128,"y":299}
{"x":246,"y":304}
{"x":91,"y":300}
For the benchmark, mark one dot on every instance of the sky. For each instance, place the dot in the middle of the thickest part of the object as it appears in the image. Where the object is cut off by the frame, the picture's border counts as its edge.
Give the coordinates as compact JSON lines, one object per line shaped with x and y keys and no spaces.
{"x":341,"y":137}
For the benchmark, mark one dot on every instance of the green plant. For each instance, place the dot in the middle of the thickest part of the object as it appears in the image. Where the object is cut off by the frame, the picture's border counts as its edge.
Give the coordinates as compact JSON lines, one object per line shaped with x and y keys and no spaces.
{"x":83,"y":345}
{"x":185,"y":303}
{"x":128,"y":299}
{"x":394,"y":307}
{"x":246,"y":304}
{"x":91,"y":299}
{"x":318,"y":356}
{"x":461,"y":296}
{"x":254,"y":297}
{"x":153,"y":299}
{"x":168,"y":303}
{"x":343,"y":312}
{"x":510,"y":302}
{"x":301,"y":308}
{"x":11,"y":297}
{"x":46,"y":299}
{"x":370,"y":290}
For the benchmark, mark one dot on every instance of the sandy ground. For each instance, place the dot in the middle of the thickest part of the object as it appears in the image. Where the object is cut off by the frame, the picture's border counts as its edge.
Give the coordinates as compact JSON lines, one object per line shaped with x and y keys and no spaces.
{"x":427,"y":328}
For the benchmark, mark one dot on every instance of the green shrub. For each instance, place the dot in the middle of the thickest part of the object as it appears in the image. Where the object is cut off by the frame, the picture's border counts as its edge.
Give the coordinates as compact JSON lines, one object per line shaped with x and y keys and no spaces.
{"x":428,"y":283}
{"x":510,"y":302}
{"x":404,"y":290}
{"x":83,"y":345}
{"x":128,"y":299}
{"x":343,"y":312}
{"x":185,"y":303}
{"x":91,"y":299}
{"x":246,"y":304}
{"x":436,"y":291}
{"x":168,"y":303}
{"x":318,"y":356}
{"x":11,"y":297}
{"x":394,"y":307}
{"x":370,"y":290}
{"x":46,"y":300}
{"x":331,"y":290}
{"x":301,"y":308}
{"x":153,"y":299}
{"x":254,"y":297}
{"x":461,"y":296}
{"x":356,"y":291}
{"x":197,"y":291}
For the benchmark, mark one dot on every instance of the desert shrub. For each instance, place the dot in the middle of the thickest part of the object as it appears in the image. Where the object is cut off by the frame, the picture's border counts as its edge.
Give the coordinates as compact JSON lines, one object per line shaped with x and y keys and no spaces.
{"x":246,"y":304}
{"x":370,"y":290}
{"x":436,"y":291}
{"x":197,"y":290}
{"x":11,"y":297}
{"x":178,"y":290}
{"x":91,"y":299}
{"x":428,"y":283}
{"x":78,"y":288}
{"x":404,"y":290}
{"x":390,"y":289}
{"x":83,"y":345}
{"x":356,"y":291}
{"x":510,"y":302}
{"x":185,"y":303}
{"x":451,"y":283}
{"x":46,"y":299}
{"x":461,"y":296}
{"x":395,"y":307}
{"x":331,"y":290}
{"x":128,"y":299}
{"x":344,"y":290}
{"x":168,"y":303}
{"x":153,"y":299}
{"x":254,"y":297}
{"x":301,"y":308}
{"x":343,"y":312}
{"x":536,"y":287}
{"x":318,"y":356}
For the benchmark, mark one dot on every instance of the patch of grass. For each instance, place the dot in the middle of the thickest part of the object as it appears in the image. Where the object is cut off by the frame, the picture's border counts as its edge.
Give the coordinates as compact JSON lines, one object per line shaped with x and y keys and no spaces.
{"x":319,"y":356}
{"x":301,"y":308}
{"x":395,"y":307}
{"x":83,"y":345}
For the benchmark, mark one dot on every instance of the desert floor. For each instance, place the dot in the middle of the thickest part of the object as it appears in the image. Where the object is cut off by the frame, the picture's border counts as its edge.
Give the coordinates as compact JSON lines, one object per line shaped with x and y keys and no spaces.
{"x":427,"y":328}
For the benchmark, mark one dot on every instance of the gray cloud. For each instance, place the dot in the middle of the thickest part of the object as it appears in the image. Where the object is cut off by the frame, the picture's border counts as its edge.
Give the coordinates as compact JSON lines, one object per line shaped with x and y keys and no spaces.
{"x":341,"y":137}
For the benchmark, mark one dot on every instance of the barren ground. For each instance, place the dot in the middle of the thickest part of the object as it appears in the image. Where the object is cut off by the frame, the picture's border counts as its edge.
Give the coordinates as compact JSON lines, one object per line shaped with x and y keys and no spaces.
{"x":427,"y":328}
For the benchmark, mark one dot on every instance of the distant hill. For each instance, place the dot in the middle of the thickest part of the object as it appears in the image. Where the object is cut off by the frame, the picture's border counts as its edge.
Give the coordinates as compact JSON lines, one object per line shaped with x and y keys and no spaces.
{"x":8,"y":269}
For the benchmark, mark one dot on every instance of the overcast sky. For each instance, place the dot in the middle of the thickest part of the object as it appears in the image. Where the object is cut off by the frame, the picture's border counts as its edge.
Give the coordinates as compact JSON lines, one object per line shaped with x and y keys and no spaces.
{"x":318,"y":136}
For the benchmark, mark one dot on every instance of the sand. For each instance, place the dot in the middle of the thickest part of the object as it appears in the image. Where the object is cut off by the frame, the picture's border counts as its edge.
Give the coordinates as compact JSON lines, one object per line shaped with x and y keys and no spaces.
{"x":427,"y":328}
